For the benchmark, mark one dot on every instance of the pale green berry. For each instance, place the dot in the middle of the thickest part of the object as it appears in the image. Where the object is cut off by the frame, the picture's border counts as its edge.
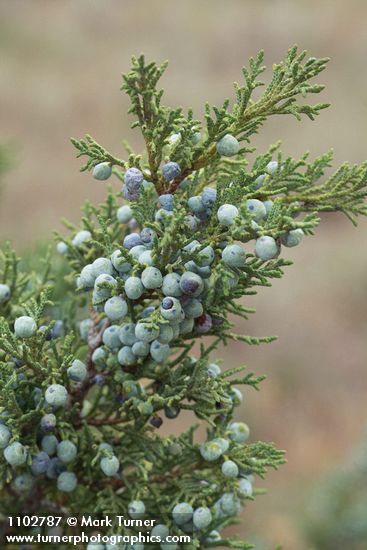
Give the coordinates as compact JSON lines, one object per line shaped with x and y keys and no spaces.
{"x":56,"y":395}
{"x":137,"y":251}
{"x":236,"y":396}
{"x":134,"y":288}
{"x":182,"y":513}
{"x":202,"y":517}
{"x":266,"y":248}
{"x":62,"y":248}
{"x":126,"y":356}
{"x":165,"y":334}
{"x":4,"y":293}
{"x":66,"y":451}
{"x":159,"y":352}
{"x":214,"y":370}
{"x":120,"y":263}
{"x":102,"y":266}
{"x":268,"y":206}
{"x":227,"y":213}
{"x":67,"y":482}
{"x":111,"y":337}
{"x":160,"y":530}
{"x":257,"y":209}
{"x":78,"y":371}
{"x":206,"y":256}
{"x":272,"y":166}
{"x":15,"y":454}
{"x":99,"y":357}
{"x":229,"y":504}
{"x":81,"y":238}
{"x":211,"y":450}
{"x":293,"y":237}
{"x":116,"y":308}
{"x":234,"y":255}
{"x":5,"y":436}
{"x":102,"y":171}
{"x":239,"y":432}
{"x":23,"y":483}
{"x":171,"y":309}
{"x":141,"y":349}
{"x":110,"y":466}
{"x":84,"y":328}
{"x":87,"y":277}
{"x":228,"y":146}
{"x":145,"y":333}
{"x":213,"y":536}
{"x":127,"y":334}
{"x":193,"y":308}
{"x":245,"y":486}
{"x":230,"y":469}
{"x":187,"y":326}
{"x":49,"y":444}
{"x":136,"y":509}
{"x":124,"y":214}
{"x":25,"y":327}
{"x":146,"y":258}
{"x":171,"y":285}
{"x":151,"y":278}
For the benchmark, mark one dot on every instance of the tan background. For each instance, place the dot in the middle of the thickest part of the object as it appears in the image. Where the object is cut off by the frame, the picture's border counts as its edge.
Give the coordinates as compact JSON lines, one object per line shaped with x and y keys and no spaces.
{"x":60,"y":65}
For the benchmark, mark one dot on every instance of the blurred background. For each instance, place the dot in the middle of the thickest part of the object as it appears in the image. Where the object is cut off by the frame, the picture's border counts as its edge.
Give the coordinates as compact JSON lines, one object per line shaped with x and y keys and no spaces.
{"x":61,"y":65}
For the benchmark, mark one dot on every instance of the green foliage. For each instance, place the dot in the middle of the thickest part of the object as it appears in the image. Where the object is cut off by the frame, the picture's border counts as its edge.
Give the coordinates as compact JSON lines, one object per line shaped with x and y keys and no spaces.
{"x":129,"y":392}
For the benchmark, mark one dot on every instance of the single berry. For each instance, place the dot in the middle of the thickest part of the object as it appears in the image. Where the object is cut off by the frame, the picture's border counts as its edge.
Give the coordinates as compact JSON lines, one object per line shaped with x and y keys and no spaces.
{"x":227,"y":213}
{"x":66,"y":451}
{"x":5,"y":436}
{"x":202,"y":517}
{"x":56,"y":395}
{"x":136,"y":509}
{"x":159,"y":352}
{"x":111,"y":337}
{"x":191,"y":284}
{"x":166,"y":202}
{"x":238,"y":432}
{"x":126,"y":357}
{"x":25,"y":327}
{"x":102,"y":171}
{"x":214,"y":370}
{"x":234,"y":255}
{"x":127,"y":334}
{"x":230,"y":469}
{"x":131,"y":240}
{"x":67,"y":482}
{"x":109,"y":466}
{"x":171,"y":309}
{"x":15,"y":454}
{"x":48,"y":422}
{"x":171,"y":170}
{"x":49,"y":444}
{"x":151,"y":278}
{"x":145,"y":333}
{"x":228,"y":146}
{"x":257,"y":209}
{"x":116,"y":308}
{"x":40,"y":463}
{"x":182,"y":513}
{"x":134,"y":288}
{"x":266,"y":248}
{"x":81,"y":238}
{"x":272,"y":166}
{"x":4,"y":293}
{"x":124,"y":214}
{"x":293,"y":237}
{"x":211,"y":450}
{"x":78,"y":371}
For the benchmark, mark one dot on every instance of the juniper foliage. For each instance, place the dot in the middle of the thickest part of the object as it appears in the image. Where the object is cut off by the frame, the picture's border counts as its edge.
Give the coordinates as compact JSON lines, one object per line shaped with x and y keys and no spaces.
{"x":144,"y":284}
